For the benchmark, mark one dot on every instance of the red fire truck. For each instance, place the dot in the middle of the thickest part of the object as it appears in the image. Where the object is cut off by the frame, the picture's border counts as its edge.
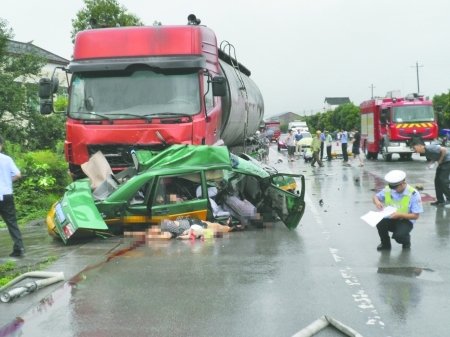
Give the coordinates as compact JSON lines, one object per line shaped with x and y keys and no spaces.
{"x":150,"y":87}
{"x":388,"y":124}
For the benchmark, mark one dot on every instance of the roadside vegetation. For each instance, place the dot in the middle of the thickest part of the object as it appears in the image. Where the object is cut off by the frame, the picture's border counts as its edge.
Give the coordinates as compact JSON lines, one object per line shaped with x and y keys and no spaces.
{"x":34,"y":141}
{"x":10,"y":270}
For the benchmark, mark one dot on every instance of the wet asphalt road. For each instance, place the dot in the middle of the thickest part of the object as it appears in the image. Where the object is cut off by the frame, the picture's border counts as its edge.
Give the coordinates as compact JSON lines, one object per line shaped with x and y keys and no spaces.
{"x":270,"y":282}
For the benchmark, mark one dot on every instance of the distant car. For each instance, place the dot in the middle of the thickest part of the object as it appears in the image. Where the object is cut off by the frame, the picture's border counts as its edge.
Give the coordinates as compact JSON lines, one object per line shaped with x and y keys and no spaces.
{"x":281,"y":144}
{"x":170,"y":184}
{"x":305,"y":141}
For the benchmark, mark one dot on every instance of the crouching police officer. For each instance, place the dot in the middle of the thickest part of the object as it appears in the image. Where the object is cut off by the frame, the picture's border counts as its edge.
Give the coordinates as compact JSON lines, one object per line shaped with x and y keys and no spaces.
{"x":408,"y":203}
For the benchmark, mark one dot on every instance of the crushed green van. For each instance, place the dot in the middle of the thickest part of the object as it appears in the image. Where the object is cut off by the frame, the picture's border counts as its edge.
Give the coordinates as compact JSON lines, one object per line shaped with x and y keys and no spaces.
{"x":170,"y":184}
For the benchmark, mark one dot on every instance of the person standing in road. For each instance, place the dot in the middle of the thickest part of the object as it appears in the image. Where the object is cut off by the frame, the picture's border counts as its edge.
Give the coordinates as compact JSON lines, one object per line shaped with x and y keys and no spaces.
{"x":298,"y":146}
{"x":8,"y":174}
{"x":356,"y":147}
{"x":439,"y":154}
{"x":344,"y":141}
{"x":328,"y":144}
{"x":315,"y":148}
{"x":290,"y":143}
{"x":322,"y":139}
{"x":408,"y":204}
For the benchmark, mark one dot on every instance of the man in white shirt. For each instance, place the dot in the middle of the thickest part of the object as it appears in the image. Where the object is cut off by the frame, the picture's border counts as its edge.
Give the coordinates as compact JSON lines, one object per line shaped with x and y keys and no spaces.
{"x":9,"y":173}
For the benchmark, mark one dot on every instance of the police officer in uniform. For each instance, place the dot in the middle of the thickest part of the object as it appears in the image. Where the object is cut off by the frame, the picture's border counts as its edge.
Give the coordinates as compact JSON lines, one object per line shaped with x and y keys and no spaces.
{"x":408,"y":203}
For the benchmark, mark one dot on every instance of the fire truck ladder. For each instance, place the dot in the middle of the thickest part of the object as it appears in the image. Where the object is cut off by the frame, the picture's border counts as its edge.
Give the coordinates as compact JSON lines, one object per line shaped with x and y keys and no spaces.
{"x":227,"y":46}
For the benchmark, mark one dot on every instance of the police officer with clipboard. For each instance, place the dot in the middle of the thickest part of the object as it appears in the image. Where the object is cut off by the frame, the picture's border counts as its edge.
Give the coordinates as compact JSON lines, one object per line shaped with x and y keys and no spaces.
{"x":408,"y":204}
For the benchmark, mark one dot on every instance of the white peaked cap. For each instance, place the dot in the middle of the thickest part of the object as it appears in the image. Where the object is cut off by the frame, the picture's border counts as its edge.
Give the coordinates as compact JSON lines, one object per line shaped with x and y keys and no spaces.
{"x":395,"y":176}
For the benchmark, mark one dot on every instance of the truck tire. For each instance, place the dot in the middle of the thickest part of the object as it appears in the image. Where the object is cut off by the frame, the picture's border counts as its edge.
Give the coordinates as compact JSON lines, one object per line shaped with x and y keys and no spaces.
{"x":370,"y":155}
{"x":76,"y":172}
{"x":386,"y":156}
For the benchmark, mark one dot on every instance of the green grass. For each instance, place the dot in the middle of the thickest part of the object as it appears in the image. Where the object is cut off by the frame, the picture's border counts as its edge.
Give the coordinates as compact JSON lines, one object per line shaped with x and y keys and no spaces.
{"x":10,"y":270}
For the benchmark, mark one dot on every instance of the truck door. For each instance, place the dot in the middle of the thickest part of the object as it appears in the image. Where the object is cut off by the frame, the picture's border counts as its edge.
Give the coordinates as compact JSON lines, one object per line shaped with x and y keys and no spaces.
{"x":213,"y":112}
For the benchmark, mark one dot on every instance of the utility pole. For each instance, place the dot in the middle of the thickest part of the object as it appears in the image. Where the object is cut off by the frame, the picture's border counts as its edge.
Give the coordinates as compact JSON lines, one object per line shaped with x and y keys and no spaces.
{"x":371,"y":90}
{"x":417,"y":75}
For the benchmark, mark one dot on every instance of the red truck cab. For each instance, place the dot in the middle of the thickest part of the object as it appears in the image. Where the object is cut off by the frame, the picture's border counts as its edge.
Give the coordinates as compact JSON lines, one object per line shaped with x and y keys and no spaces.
{"x":149,"y":87}
{"x":272,"y":128}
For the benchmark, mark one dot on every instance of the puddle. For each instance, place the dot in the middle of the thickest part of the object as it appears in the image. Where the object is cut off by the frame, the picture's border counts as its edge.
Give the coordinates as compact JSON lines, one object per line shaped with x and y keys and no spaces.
{"x":414,"y":272}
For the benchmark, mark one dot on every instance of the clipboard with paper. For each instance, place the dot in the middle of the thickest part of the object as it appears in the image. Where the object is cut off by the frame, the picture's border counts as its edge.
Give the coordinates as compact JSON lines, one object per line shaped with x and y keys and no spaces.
{"x":372,"y":218}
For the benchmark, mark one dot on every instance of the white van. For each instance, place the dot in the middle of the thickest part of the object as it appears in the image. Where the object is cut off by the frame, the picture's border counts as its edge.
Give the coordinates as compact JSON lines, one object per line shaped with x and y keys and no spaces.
{"x":298,"y":125}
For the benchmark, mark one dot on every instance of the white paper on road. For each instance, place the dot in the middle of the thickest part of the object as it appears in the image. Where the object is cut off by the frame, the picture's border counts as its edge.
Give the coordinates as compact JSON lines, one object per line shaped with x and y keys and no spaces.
{"x":374,"y":217}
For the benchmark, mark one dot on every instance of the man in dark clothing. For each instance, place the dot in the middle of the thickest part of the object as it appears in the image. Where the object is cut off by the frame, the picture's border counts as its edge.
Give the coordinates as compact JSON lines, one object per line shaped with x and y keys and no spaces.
{"x":439,"y":154}
{"x":322,"y":138}
{"x":9,"y":173}
{"x":344,"y":141}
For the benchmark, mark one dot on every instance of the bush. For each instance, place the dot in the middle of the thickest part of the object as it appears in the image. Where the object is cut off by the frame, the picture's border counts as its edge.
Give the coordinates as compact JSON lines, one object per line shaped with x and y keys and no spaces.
{"x":44,"y":178}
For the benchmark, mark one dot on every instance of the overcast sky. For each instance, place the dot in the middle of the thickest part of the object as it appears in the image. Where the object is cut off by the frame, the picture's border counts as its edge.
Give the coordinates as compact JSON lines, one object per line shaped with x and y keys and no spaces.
{"x":299,"y":51}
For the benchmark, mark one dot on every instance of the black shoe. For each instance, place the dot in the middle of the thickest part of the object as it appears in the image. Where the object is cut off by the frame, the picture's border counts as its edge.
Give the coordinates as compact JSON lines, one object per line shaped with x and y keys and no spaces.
{"x":383,"y":247}
{"x":437,"y":203}
{"x":17,"y":253}
{"x":406,"y":245}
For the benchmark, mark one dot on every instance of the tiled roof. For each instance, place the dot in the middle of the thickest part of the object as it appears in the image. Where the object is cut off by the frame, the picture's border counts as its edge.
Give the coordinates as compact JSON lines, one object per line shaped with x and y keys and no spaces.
{"x":337,"y":100}
{"x":17,"y":48}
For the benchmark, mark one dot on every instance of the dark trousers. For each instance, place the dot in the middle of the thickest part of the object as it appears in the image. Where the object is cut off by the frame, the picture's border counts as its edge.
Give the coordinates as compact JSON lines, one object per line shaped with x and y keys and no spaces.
{"x":329,"y":153}
{"x":8,"y":213}
{"x":344,"y":151}
{"x":316,"y":158}
{"x":442,"y":182}
{"x":321,"y":150}
{"x":400,"y":229}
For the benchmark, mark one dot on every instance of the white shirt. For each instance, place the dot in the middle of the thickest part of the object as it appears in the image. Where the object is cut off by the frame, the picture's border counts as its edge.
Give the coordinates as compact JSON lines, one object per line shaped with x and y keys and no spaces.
{"x":8,"y":170}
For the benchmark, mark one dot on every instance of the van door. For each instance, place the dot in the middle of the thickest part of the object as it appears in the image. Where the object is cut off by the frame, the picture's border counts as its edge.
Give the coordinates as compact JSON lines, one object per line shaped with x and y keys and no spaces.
{"x":176,"y":196}
{"x":289,"y":206}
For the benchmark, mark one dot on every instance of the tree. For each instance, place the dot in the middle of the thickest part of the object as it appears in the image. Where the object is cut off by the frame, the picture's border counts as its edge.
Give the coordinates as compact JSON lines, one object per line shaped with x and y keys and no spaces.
{"x":16,"y":75}
{"x":102,"y":14}
{"x":441,"y":104}
{"x":345,"y":116}
{"x":18,"y":88}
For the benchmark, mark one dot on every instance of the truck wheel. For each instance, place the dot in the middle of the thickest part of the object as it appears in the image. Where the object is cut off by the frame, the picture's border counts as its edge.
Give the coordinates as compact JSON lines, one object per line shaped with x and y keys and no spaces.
{"x":406,"y":156}
{"x":386,"y":156}
{"x":76,"y":172}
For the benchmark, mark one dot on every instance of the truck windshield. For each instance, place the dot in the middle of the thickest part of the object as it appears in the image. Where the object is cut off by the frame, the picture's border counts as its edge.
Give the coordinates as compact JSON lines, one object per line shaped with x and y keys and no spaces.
{"x":413,"y":113}
{"x":133,"y":93}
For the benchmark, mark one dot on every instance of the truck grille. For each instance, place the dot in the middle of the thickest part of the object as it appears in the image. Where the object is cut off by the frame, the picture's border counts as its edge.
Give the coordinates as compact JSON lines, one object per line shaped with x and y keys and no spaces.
{"x":409,"y":134}
{"x":118,"y":156}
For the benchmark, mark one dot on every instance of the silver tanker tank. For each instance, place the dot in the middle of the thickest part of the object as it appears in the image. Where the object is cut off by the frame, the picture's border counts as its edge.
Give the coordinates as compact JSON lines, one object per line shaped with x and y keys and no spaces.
{"x":242,"y":107}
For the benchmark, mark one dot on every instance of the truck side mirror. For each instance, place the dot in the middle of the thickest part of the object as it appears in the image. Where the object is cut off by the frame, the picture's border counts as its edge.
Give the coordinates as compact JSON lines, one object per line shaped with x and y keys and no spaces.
{"x":219,"y":86}
{"x":46,"y":106}
{"x":45,"y":88}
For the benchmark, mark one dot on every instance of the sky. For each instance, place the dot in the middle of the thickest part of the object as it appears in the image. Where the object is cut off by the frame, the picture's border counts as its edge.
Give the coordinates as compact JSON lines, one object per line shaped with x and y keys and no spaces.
{"x":299,"y":51}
